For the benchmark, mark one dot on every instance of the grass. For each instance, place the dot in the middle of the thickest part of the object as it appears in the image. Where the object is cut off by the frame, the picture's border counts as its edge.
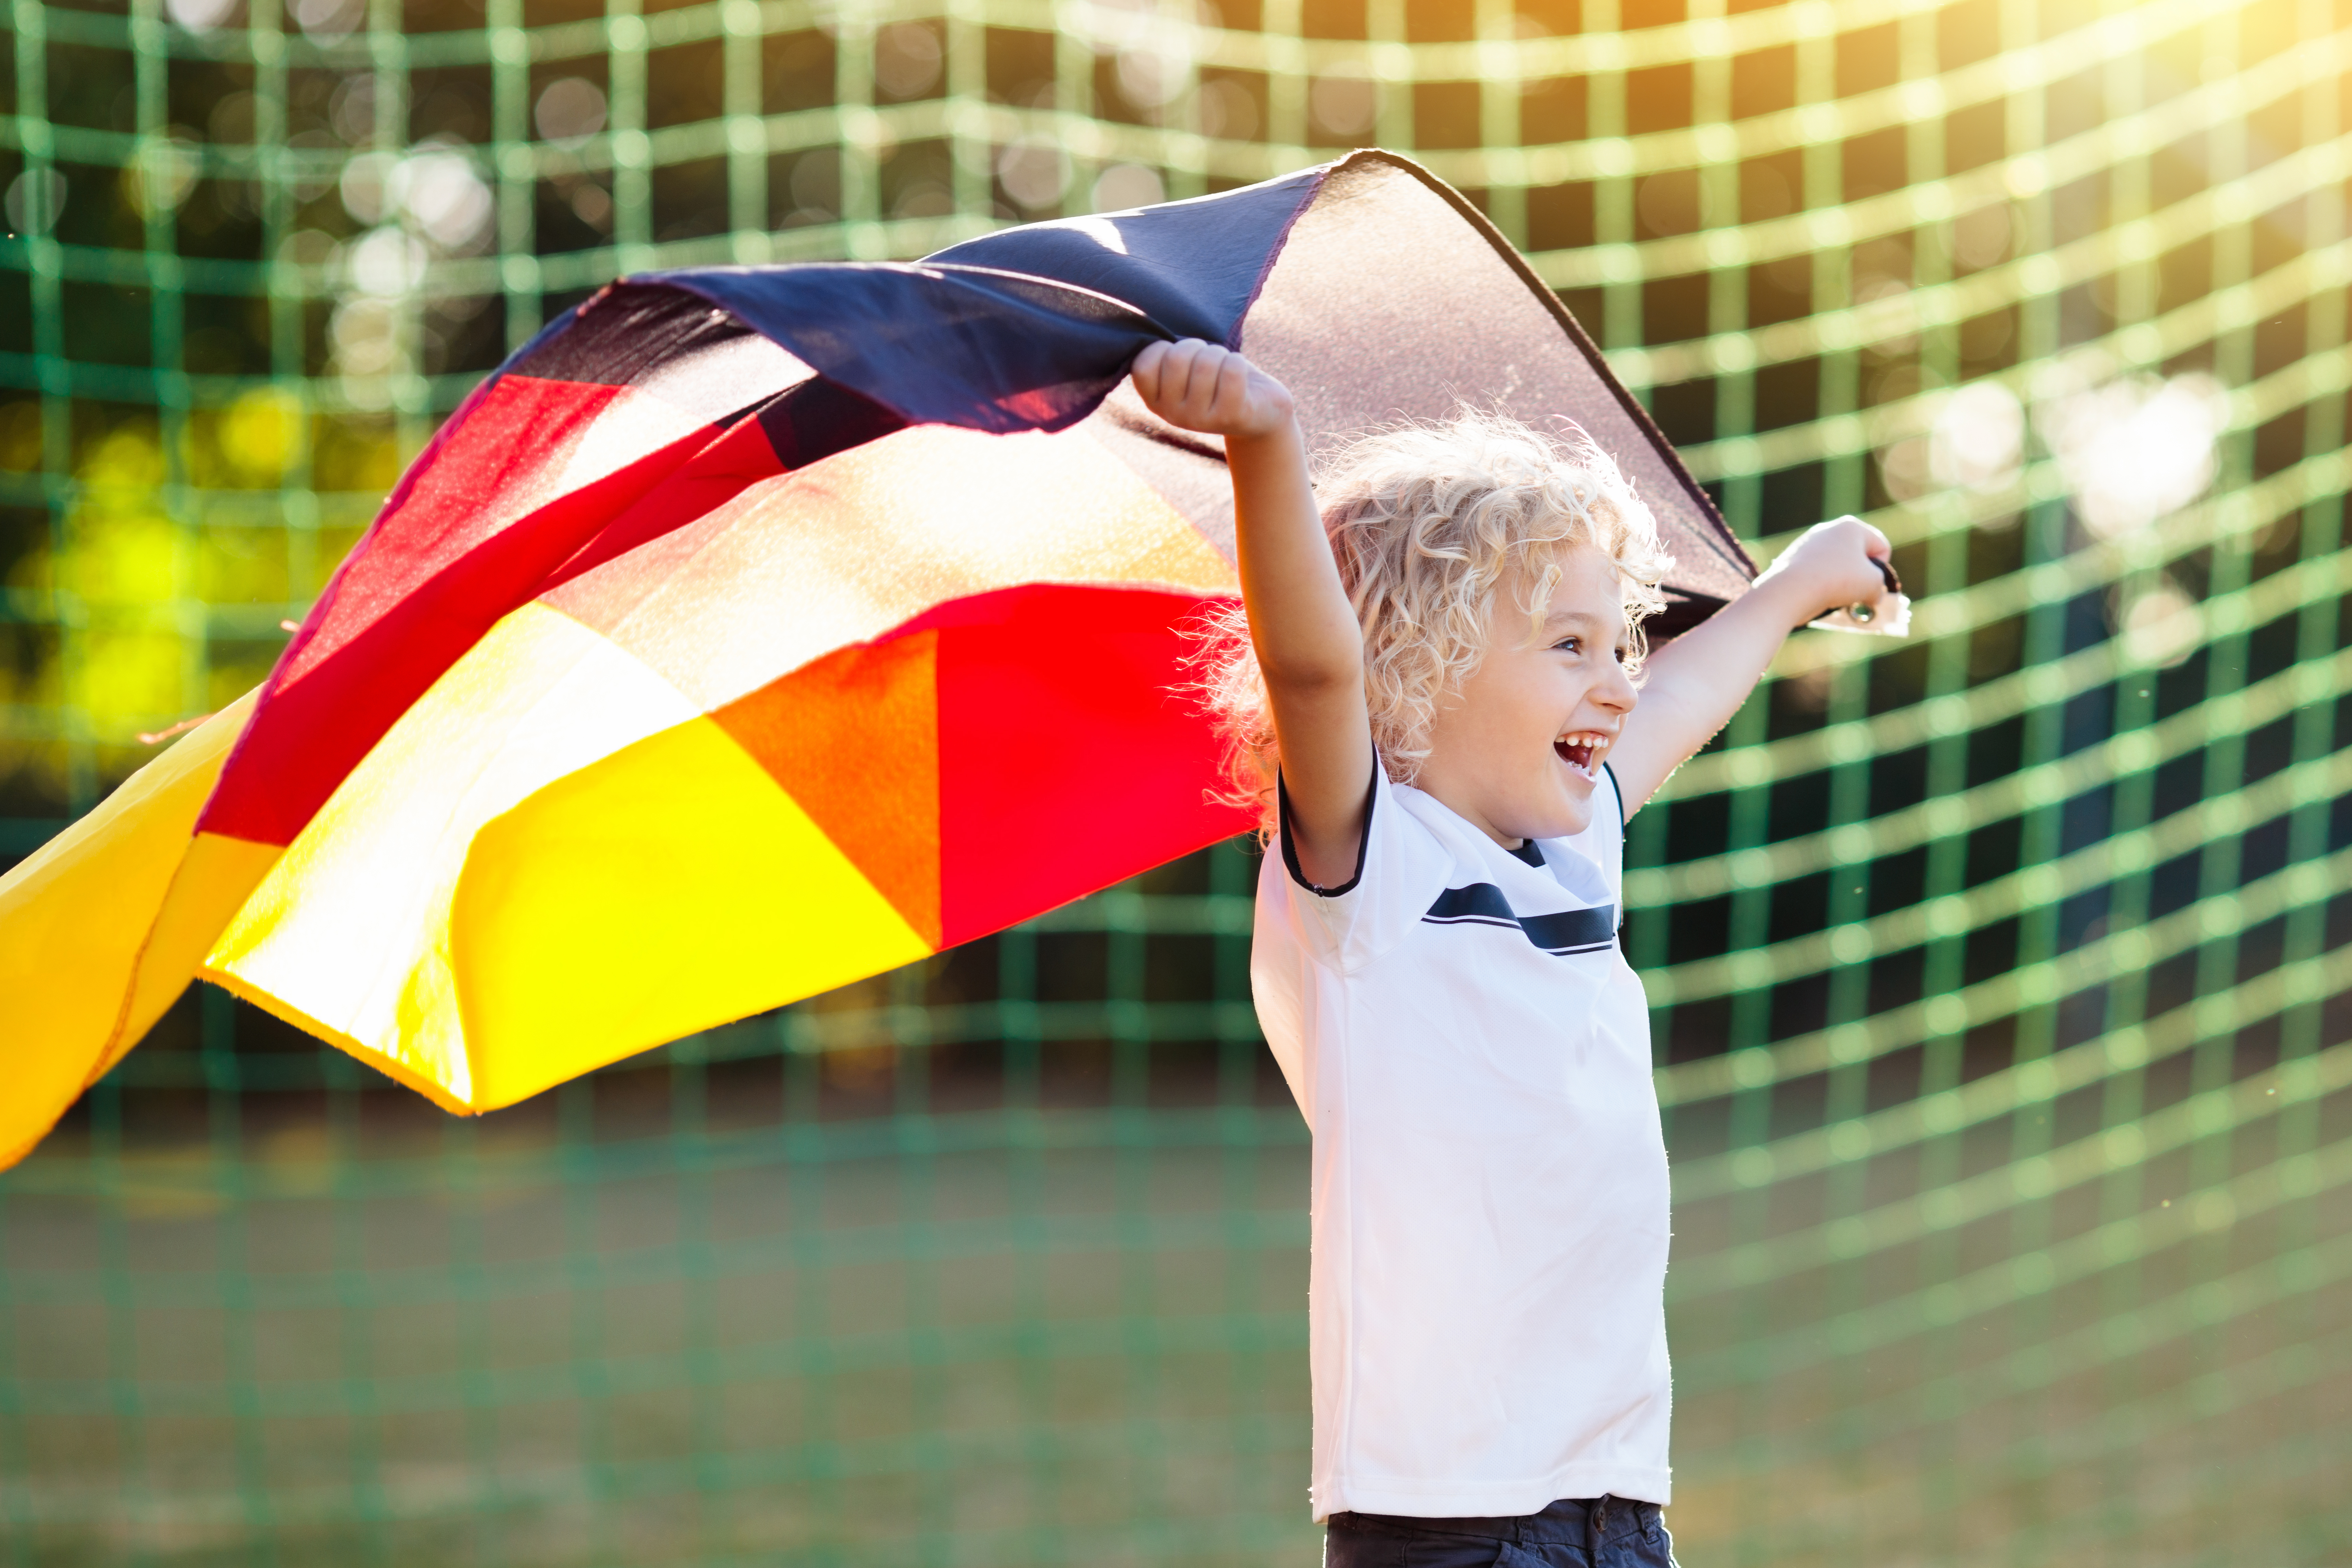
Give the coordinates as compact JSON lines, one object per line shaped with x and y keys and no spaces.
{"x":993,"y":1336}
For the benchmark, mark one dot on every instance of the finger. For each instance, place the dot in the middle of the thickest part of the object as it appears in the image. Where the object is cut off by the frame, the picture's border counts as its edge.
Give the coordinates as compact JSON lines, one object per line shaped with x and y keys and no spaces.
{"x":1175,"y":371}
{"x":1171,"y":362}
{"x":1206,"y":368}
{"x":1233,"y":386}
{"x":1145,"y":371}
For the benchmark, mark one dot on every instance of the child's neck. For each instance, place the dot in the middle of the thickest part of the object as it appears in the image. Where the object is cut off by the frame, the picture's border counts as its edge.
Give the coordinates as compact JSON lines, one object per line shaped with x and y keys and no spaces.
{"x":1475,"y":817}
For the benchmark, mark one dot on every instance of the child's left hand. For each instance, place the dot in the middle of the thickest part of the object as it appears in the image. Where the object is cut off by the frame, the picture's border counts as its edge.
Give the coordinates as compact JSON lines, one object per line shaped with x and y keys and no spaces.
{"x":1697,"y":681}
{"x":1832,"y":566}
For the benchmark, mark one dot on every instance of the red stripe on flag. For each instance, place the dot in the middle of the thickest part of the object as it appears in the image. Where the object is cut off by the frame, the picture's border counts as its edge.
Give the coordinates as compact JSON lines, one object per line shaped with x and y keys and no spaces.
{"x":655,"y":534}
{"x":1072,"y":751}
{"x":472,"y":535}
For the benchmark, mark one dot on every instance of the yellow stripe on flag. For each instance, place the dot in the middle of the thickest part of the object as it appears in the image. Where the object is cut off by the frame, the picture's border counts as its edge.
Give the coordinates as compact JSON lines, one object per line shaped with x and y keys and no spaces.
{"x":78,"y":980}
{"x":667,"y":889}
{"x":347,"y":936}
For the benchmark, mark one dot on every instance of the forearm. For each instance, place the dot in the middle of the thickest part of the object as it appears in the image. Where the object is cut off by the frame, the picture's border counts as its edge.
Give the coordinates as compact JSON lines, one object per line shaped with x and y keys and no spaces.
{"x":1699,"y":681}
{"x":1695,"y":683}
{"x":1300,"y":622}
{"x":1310,"y":651}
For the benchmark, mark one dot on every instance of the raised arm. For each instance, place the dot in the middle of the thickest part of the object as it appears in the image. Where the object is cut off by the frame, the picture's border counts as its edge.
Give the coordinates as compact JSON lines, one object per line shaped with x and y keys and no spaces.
{"x":1697,"y":682}
{"x":1308,"y":647}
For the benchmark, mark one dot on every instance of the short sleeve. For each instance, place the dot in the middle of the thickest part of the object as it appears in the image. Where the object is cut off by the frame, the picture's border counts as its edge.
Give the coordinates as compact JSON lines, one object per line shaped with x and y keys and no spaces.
{"x":1290,"y":854}
{"x":1400,"y":868}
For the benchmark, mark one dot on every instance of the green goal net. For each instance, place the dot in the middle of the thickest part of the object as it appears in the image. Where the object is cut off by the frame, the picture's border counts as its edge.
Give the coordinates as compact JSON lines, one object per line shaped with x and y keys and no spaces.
{"x":1998,"y":974}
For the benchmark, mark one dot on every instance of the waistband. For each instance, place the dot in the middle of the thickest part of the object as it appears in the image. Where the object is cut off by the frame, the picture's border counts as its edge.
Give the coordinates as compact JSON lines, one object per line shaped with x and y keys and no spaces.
{"x":1570,"y":1521}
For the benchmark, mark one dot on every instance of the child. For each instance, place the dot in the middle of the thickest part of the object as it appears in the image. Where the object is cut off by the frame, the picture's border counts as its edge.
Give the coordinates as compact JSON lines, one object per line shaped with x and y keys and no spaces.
{"x":1440,"y":685}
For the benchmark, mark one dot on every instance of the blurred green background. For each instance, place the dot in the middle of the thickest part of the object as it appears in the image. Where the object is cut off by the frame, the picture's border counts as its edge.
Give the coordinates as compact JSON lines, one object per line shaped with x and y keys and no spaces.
{"x":1999,"y":996}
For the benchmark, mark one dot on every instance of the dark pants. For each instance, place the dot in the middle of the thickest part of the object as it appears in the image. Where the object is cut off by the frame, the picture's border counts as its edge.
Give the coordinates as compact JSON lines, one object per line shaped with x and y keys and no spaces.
{"x":1575,"y":1533}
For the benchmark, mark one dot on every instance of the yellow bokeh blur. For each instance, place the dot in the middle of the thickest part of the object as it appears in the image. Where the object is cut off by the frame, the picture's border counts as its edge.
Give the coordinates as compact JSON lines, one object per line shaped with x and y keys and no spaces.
{"x":258,"y":437}
{"x":242,"y":565}
{"x":122,"y":563}
{"x":135,"y":562}
{"x":120,"y":548}
{"x":131,"y":678}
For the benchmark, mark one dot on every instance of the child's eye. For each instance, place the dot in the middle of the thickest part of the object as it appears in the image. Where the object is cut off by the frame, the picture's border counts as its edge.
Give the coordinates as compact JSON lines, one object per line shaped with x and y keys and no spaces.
{"x":1570,"y":644}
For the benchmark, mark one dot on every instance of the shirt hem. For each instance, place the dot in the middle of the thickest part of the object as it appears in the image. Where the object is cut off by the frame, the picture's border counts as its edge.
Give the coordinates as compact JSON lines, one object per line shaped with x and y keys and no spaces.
{"x":1493,"y":1499}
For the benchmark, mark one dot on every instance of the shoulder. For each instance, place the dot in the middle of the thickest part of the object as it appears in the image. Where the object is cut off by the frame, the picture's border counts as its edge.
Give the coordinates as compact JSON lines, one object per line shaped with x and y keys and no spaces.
{"x":1404,"y":863}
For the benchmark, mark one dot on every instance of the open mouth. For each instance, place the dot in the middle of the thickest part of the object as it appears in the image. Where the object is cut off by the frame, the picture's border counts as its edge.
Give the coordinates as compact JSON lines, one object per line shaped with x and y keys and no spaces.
{"x":1581,"y":749}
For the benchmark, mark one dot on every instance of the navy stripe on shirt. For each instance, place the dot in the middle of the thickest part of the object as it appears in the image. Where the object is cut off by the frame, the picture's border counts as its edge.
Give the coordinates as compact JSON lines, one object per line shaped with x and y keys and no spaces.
{"x":1571,"y":930}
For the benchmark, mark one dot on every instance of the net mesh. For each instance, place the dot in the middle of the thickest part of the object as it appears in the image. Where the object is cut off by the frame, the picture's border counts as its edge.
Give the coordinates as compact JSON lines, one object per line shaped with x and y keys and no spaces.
{"x":2000,"y":998}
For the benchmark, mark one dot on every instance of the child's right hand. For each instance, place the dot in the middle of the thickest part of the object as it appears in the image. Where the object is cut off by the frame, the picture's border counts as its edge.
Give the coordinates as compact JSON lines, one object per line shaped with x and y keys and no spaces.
{"x":1197,"y":385}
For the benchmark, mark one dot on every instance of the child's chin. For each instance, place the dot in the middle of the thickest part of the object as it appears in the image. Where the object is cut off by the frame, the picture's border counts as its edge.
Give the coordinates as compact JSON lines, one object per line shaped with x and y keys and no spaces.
{"x":1565,"y":819}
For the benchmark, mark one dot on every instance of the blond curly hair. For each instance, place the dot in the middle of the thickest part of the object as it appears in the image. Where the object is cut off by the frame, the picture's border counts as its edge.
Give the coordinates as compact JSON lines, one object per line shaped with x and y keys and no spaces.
{"x":1433,"y":522}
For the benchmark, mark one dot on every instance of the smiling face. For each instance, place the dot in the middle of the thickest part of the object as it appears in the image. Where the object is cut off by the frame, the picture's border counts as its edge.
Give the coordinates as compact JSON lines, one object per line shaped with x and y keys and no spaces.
{"x":1516,"y":750}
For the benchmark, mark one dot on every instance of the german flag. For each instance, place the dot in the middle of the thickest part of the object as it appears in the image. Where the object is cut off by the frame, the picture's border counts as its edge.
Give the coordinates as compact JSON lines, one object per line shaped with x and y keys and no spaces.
{"x":756,"y":629}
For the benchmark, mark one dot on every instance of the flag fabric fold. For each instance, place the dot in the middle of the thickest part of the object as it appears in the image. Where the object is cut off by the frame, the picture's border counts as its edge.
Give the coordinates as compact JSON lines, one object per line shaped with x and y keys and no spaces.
{"x":752,"y":630}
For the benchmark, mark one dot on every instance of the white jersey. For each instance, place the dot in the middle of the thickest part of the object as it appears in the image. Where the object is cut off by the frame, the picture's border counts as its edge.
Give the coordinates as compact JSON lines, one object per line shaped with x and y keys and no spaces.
{"x":1490,"y":1198}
